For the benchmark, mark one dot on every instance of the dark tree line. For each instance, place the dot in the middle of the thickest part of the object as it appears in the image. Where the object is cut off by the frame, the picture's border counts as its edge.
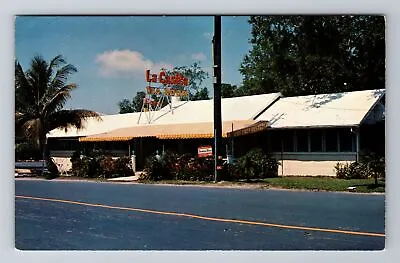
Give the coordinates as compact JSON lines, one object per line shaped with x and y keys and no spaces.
{"x":301,"y":55}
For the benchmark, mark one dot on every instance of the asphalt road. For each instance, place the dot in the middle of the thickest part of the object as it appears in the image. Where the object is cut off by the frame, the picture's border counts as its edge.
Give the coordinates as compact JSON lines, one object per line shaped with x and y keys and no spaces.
{"x":49,"y":225}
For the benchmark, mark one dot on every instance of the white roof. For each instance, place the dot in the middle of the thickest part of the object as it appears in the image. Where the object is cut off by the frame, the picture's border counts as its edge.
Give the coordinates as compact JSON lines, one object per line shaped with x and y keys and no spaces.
{"x":93,"y":126}
{"x":338,"y":109}
{"x":238,"y":108}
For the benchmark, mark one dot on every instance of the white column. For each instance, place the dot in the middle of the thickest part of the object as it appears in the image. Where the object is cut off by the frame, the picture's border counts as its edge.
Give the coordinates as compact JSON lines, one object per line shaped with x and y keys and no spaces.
{"x":358,"y":145}
{"x":133,"y":162}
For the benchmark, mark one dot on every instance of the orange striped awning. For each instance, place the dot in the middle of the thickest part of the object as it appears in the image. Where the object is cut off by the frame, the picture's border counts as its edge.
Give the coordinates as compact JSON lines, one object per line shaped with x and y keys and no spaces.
{"x":174,"y":131}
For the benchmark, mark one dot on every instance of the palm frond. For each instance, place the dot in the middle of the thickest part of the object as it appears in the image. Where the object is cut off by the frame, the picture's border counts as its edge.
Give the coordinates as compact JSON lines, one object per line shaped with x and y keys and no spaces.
{"x":23,"y":89}
{"x":62,"y":75}
{"x":38,"y":78}
{"x":58,"y":99}
{"x":56,"y":62}
{"x":70,"y":118}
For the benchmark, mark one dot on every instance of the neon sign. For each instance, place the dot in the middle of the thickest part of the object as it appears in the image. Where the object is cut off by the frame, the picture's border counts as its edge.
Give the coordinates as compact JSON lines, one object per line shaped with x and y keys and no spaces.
{"x":158,"y":95}
{"x":176,"y":79}
{"x":167,"y":92}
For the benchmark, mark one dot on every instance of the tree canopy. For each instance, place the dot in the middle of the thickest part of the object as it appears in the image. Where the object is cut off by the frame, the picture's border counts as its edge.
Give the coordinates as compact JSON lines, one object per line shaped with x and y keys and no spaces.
{"x":40,"y":95}
{"x":126,"y":106}
{"x":196,"y":75}
{"x":301,"y":55}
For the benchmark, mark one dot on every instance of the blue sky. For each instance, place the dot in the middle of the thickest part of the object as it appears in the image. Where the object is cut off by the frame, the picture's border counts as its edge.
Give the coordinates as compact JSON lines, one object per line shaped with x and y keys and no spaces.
{"x":112,"y":53}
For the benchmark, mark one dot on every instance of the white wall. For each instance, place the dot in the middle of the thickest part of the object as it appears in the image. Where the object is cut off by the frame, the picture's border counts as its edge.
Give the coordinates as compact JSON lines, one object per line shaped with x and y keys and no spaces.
{"x":307,"y":168}
{"x":312,"y":164}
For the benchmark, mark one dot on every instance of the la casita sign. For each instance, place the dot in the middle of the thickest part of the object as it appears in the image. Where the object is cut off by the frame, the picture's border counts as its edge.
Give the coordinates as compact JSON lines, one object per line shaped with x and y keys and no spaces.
{"x":163,"y":78}
{"x":160,"y":88}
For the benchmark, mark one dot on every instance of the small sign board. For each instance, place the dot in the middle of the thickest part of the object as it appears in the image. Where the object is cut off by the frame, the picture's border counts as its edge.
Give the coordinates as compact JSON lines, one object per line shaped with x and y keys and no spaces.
{"x":204,"y":151}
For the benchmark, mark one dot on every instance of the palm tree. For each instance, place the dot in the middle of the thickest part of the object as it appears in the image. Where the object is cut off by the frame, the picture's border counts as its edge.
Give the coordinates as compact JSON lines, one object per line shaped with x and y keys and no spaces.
{"x":40,"y":95}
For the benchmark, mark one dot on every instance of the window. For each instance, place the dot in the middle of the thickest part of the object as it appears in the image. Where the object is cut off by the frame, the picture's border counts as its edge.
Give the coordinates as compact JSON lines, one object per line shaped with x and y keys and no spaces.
{"x":331,"y":143}
{"x":316,"y":140}
{"x":346,"y":138}
{"x":275,"y":141}
{"x":75,"y":145}
{"x":302,"y":140}
{"x":288,"y":141}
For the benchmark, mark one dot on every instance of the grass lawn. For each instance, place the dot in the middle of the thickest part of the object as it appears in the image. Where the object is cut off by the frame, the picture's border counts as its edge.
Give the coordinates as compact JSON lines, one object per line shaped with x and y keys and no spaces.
{"x":286,"y":182}
{"x":294,"y":182}
{"x":325,"y":184}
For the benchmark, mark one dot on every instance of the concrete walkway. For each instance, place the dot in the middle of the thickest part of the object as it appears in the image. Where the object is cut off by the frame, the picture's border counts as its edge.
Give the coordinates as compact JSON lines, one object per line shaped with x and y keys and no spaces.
{"x":126,"y":179}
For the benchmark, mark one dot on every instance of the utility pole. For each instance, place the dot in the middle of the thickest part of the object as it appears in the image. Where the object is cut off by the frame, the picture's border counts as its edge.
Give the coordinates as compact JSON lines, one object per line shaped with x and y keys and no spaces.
{"x":217,"y":95}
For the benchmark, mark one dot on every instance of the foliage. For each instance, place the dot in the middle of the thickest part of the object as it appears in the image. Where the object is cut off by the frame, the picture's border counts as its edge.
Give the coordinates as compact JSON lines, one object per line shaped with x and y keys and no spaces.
{"x":350,"y":171}
{"x":191,"y":168}
{"x":196,"y":76}
{"x":52,"y":169}
{"x":371,"y":165}
{"x":40,"y":94}
{"x":201,"y":94}
{"x":160,"y":167}
{"x":323,"y":183}
{"x":375,"y":164}
{"x":302,"y":55}
{"x":170,"y":166}
{"x":27,"y":151}
{"x":125,"y":106}
{"x":228,"y":90}
{"x":255,"y":164}
{"x":100,"y":165}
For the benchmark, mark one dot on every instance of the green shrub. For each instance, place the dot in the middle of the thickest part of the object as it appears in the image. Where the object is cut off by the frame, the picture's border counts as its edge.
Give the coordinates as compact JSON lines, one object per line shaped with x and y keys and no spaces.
{"x":100,"y":166}
{"x":352,"y":170}
{"x":123,"y":166}
{"x":107,"y":167}
{"x":27,"y":151}
{"x":374,"y":163}
{"x":170,"y":166}
{"x":52,"y":169}
{"x":191,"y":168}
{"x":255,"y":164}
{"x":371,"y":165}
{"x":161,"y":167}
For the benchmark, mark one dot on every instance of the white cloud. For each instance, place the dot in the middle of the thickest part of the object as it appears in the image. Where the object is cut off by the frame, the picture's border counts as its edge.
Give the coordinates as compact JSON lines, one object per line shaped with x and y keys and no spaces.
{"x":199,"y":56}
{"x":126,"y":63}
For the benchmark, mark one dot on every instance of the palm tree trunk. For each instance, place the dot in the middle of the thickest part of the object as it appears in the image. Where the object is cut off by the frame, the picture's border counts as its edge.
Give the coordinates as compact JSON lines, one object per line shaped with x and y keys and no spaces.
{"x":43,"y":146}
{"x":42,"y":143}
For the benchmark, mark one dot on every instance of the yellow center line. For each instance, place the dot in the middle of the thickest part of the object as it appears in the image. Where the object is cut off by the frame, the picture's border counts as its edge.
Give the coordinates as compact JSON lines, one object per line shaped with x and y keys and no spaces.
{"x":207,"y":218}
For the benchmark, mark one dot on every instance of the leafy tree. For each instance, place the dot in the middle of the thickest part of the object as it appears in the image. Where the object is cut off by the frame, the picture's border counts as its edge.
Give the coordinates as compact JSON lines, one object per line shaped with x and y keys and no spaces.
{"x":40,"y":94}
{"x":201,"y":94}
{"x":125,"y":106}
{"x":300,"y":55}
{"x":196,"y":76}
{"x":228,"y":90}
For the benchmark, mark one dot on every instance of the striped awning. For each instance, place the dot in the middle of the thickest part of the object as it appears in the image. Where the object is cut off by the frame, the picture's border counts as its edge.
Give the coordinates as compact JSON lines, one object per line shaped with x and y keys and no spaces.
{"x":253,"y":128}
{"x":176,"y":131}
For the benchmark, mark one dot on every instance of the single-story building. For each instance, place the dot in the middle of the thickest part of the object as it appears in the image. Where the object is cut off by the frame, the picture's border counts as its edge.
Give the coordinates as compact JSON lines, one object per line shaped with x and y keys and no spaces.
{"x":308,"y":134}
